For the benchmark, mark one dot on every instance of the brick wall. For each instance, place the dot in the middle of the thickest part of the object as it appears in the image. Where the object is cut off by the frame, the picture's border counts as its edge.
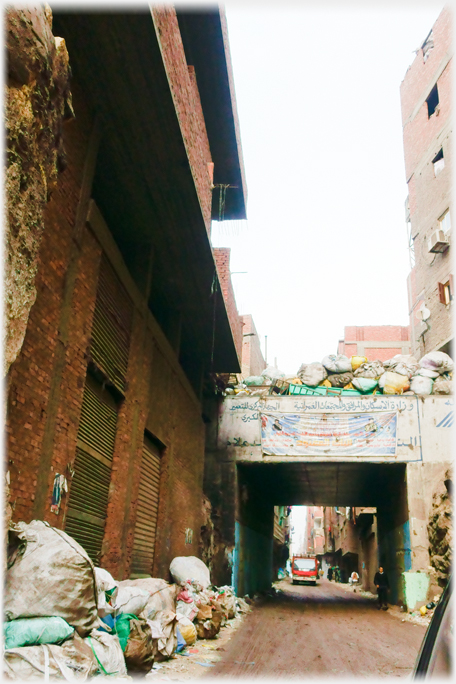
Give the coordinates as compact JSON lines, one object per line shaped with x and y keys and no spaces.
{"x":361,"y":341}
{"x":253,"y":362}
{"x":222,"y":261}
{"x":429,"y":195}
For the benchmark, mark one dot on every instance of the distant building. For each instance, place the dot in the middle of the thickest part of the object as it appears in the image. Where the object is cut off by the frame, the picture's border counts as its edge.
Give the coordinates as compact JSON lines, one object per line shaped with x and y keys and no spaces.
{"x":253,"y":362}
{"x":380,"y":342}
{"x":426,"y":122}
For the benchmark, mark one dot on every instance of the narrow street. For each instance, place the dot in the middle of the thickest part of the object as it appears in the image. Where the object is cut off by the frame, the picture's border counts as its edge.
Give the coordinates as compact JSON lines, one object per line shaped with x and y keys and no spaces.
{"x":322,"y":630}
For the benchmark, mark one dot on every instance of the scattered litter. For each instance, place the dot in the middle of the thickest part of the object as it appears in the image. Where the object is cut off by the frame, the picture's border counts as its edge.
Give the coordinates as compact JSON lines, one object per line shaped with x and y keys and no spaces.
{"x":204,"y":664}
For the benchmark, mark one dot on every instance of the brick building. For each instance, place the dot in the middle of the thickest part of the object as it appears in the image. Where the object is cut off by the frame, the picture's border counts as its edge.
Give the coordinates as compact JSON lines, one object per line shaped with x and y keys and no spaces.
{"x":252,"y":359}
{"x":380,"y":342}
{"x":426,"y":121}
{"x":129,"y":322}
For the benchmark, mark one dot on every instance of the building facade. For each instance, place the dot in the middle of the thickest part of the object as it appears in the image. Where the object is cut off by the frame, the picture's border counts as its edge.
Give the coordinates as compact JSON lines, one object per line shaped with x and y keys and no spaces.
{"x":380,"y":342}
{"x":427,"y":135}
{"x":105,"y":422}
{"x":253,"y":362}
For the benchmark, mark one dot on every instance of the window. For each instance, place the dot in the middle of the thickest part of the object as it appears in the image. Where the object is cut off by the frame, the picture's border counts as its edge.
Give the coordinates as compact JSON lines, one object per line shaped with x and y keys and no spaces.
{"x":445,"y":222}
{"x":432,"y":101}
{"x":446,"y":291}
{"x":439,"y":163}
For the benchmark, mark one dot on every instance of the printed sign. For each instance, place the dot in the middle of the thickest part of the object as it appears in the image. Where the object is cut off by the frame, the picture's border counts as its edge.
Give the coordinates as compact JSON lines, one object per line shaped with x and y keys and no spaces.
{"x":329,"y":434}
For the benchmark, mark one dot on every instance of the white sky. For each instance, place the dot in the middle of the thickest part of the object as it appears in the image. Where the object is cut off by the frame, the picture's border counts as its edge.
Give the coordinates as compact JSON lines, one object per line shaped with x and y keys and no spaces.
{"x":298,"y":521}
{"x":325,"y":244}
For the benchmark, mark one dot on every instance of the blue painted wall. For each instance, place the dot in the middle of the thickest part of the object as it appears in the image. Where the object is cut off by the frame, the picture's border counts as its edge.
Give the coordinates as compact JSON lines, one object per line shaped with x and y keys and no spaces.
{"x":252,"y":567}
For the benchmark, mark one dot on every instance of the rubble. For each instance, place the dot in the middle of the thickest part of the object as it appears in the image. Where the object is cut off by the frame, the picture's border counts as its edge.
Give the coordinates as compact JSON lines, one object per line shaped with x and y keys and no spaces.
{"x":343,"y":376}
{"x":67,"y":618}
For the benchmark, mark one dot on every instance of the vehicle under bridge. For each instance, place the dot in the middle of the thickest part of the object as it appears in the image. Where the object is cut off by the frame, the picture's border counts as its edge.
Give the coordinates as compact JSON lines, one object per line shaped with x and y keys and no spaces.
{"x":387,"y":452}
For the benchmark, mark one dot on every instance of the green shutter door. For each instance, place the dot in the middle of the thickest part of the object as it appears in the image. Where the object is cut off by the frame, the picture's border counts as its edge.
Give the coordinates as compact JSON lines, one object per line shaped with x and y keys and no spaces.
{"x":147,"y":511}
{"x":89,"y":490}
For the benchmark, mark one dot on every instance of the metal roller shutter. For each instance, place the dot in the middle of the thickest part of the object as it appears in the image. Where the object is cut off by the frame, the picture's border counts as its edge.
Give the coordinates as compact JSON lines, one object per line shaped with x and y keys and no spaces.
{"x":88,"y":499}
{"x":111,"y":328}
{"x":147,"y":511}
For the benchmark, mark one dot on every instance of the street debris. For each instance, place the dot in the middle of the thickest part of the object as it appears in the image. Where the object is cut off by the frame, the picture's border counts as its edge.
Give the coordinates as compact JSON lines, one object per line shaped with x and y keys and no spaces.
{"x":342,"y":376}
{"x":65,"y":618}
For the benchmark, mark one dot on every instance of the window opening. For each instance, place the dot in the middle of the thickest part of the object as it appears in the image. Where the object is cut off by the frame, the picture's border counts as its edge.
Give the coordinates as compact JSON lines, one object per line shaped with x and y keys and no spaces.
{"x":445,"y":221}
{"x":432,"y":101}
{"x":445,"y":293}
{"x":438,"y":162}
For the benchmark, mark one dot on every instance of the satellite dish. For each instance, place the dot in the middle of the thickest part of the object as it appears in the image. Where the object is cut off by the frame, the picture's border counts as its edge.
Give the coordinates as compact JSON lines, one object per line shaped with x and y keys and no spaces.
{"x":423,"y":312}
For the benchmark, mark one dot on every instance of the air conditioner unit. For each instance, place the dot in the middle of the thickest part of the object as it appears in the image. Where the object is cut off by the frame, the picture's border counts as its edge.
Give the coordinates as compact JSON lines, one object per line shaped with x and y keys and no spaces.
{"x":438,"y":242}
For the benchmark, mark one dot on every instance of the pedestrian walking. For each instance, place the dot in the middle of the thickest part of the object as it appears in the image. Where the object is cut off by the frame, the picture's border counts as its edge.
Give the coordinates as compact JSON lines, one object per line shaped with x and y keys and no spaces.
{"x":382,"y":584}
{"x":354,"y":578}
{"x":337,"y":574}
{"x":330,"y":573}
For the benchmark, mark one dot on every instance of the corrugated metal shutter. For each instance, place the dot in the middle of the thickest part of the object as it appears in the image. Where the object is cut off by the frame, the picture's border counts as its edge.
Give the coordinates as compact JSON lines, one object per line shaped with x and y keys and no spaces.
{"x":147,"y":511}
{"x":111,"y":328}
{"x":88,"y":499}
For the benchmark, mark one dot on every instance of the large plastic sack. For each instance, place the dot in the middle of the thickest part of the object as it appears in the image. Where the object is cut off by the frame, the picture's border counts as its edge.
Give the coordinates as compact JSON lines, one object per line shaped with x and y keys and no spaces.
{"x":442,"y":386}
{"x":393,"y":383}
{"x":105,"y":581}
{"x":166,"y":643}
{"x":365,"y":384}
{"x":190,"y":568}
{"x":356,"y":362}
{"x":272,"y":373}
{"x":73,"y":661}
{"x":437,"y":361}
{"x":404,"y":364}
{"x":188,"y":610}
{"x":254,"y":380}
{"x":162,"y":595}
{"x":139,"y":653}
{"x":51,"y":575}
{"x":369,"y":369}
{"x":108,"y":653}
{"x":337,"y":363}
{"x":130,"y":600}
{"x":33,"y":631}
{"x":340,"y":379}
{"x":313,"y":374}
{"x":209,"y":621}
{"x":421,"y":385}
{"x":426,"y":373}
{"x":187,"y":629}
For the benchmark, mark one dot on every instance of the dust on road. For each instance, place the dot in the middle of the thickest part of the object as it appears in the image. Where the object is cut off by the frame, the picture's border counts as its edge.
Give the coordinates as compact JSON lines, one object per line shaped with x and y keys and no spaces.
{"x":320,"y":631}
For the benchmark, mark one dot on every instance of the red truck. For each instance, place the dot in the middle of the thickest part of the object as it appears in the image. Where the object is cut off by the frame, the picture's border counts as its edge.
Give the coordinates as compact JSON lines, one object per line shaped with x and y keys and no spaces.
{"x":304,"y":569}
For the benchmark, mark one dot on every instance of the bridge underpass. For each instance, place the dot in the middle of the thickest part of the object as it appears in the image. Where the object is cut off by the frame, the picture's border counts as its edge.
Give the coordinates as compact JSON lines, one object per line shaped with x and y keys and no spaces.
{"x":265,"y":485}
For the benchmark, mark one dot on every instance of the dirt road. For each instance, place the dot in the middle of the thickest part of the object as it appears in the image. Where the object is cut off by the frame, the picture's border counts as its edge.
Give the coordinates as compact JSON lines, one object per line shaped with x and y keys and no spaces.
{"x":323,"y":630}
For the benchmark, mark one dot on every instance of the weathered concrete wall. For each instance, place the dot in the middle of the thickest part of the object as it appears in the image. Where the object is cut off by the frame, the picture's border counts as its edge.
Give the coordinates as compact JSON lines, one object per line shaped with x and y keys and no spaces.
{"x":37,"y":102}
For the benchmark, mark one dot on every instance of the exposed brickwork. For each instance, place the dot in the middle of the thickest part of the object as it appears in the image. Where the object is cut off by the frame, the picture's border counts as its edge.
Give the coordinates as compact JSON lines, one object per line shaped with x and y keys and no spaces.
{"x":360,"y":341}
{"x":187,"y":103}
{"x":429,"y":194}
{"x":222,"y":260}
{"x":252,"y":358}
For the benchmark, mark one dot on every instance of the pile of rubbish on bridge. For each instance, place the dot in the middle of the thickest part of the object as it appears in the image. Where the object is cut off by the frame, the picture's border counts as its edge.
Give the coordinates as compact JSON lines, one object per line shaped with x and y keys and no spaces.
{"x":338,"y":375}
{"x":66,"y":618}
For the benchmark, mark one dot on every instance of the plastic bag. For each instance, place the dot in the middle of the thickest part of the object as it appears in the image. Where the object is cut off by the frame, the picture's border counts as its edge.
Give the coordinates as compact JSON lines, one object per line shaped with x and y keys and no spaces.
{"x":442,"y":386}
{"x":130,"y":600}
{"x":272,"y":373}
{"x":139,"y":653}
{"x":370,"y":369}
{"x":58,"y":575}
{"x":437,"y":361}
{"x":356,"y":361}
{"x":108,"y":653}
{"x":340,"y":379}
{"x":365,"y":384}
{"x":404,"y":364}
{"x":313,"y":374}
{"x":426,"y":373}
{"x":187,"y":629}
{"x":105,"y":581}
{"x":421,"y":385}
{"x":393,"y":383}
{"x":191,"y":568}
{"x":33,"y":631}
{"x":74,"y":660}
{"x":165,"y":646}
{"x":254,"y":380}
{"x":162,"y":595}
{"x":337,"y":363}
{"x":208,"y":621}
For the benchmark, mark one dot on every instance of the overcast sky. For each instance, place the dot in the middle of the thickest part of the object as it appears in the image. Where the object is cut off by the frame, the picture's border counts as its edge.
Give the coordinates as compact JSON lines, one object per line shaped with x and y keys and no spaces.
{"x":325,"y":243}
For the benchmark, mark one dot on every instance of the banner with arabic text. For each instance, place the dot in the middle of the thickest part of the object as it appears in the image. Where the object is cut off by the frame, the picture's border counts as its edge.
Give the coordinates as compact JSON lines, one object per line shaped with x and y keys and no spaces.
{"x":329,"y":434}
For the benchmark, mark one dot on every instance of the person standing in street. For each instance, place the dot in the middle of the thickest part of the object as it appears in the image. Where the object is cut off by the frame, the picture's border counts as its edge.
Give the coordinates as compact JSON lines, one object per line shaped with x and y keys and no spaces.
{"x":330,"y":573}
{"x":382,"y":584}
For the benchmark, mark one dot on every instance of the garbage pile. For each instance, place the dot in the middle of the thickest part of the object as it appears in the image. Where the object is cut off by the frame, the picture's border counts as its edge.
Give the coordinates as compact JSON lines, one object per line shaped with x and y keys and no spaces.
{"x":340,"y":375}
{"x":65,"y":618}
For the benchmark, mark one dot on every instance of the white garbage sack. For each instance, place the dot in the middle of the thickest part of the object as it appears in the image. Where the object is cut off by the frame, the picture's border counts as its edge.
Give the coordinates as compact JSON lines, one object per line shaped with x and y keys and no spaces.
{"x":313,"y":374}
{"x":73,"y":661}
{"x":272,"y":373}
{"x":337,"y":363}
{"x":104,"y":579}
{"x":426,"y":373}
{"x":404,"y":364}
{"x":165,"y":646}
{"x":51,"y":575}
{"x":421,"y":385}
{"x":437,"y":361}
{"x":442,"y":386}
{"x":161,"y":595}
{"x":108,"y":651}
{"x":371,"y":369}
{"x":190,"y":568}
{"x":130,"y":600}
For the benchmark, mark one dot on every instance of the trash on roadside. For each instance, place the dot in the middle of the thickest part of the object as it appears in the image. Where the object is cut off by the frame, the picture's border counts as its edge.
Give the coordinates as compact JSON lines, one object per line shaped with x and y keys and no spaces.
{"x":139,"y":652}
{"x":33,"y":631}
{"x":187,"y":629}
{"x":184,"y":568}
{"x":108,"y":653}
